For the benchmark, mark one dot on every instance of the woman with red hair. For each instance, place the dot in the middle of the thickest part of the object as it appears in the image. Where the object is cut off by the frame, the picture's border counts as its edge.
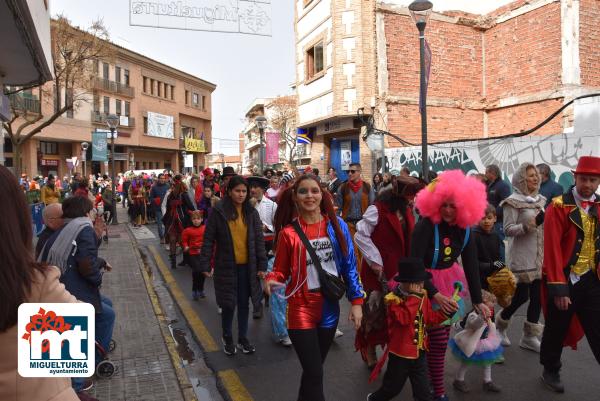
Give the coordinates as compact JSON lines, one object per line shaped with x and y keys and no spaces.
{"x":449,"y":206}
{"x":306,"y":215}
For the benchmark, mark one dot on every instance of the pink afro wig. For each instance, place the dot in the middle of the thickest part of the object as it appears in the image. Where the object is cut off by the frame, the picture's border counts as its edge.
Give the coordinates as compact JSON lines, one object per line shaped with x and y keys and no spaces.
{"x":468,"y":194}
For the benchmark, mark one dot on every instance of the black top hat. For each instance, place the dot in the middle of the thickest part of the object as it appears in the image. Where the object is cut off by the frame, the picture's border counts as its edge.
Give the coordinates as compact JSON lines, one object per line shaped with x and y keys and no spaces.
{"x":256,"y":181}
{"x":228,"y":171}
{"x":411,"y":270}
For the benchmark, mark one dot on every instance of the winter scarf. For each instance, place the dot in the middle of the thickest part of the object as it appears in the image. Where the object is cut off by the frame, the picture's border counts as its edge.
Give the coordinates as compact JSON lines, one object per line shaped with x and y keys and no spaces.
{"x":61,"y":248}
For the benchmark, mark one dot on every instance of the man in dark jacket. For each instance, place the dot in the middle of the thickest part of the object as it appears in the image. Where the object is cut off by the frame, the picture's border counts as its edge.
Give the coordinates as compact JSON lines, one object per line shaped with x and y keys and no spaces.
{"x":549,"y":188}
{"x":497,"y":191}
{"x":157,"y":195}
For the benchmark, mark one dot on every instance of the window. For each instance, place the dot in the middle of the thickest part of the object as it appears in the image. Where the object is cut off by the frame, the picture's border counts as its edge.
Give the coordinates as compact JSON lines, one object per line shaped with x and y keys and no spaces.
{"x":314,"y":61}
{"x":187,"y":97}
{"x":96,"y":103}
{"x":118,"y":107}
{"x":8,"y":162}
{"x":172,"y":92}
{"x":49,"y":148}
{"x":105,"y":70}
{"x":126,"y":76}
{"x":8,"y":147}
{"x":159,"y":87}
{"x":127,"y":105}
{"x":203,"y":102}
{"x":195,"y":99}
{"x":118,"y":74}
{"x":167,"y":91}
{"x":151,"y":86}
{"x":145,"y":125}
{"x":106,"y":105}
{"x":145,"y":84}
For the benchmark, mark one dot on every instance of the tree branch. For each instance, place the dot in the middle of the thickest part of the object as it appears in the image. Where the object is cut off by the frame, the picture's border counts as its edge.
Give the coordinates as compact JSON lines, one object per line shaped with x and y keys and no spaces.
{"x":46,"y":123}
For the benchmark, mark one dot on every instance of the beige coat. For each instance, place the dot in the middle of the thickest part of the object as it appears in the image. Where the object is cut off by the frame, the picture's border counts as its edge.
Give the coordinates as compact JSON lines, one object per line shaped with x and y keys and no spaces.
{"x":13,"y":387}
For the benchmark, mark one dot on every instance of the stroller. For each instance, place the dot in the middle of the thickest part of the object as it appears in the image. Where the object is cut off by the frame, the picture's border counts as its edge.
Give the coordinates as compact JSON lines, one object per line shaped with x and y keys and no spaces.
{"x":105,"y":369}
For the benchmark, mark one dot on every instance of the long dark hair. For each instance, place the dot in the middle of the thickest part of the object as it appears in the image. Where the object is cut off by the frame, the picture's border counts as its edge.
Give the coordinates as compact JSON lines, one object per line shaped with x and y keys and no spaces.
{"x":16,"y":249}
{"x":228,"y":207}
{"x":287,"y":212}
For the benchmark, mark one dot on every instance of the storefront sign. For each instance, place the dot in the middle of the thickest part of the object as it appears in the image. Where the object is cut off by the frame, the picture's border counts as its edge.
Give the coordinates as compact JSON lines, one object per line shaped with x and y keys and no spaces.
{"x":160,"y":125}
{"x":188,"y":161}
{"x":99,"y":147}
{"x":338,"y":125}
{"x":49,"y":162}
{"x":194,"y":145}
{"x":346,"y":154}
{"x":272,"y":147}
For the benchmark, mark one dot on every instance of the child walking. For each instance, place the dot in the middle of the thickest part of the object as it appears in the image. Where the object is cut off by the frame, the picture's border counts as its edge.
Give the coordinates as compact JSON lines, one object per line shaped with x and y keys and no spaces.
{"x":409,"y":313}
{"x":477,"y":344}
{"x":191,"y":239}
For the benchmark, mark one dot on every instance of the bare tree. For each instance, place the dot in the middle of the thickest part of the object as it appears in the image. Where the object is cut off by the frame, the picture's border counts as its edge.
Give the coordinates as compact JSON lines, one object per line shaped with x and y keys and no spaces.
{"x":283,"y":119}
{"x":75,"y":53}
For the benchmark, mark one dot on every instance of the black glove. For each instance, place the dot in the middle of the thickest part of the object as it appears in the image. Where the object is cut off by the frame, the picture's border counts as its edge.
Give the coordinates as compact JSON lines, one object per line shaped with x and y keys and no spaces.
{"x":498,"y":264}
{"x":539,"y":218}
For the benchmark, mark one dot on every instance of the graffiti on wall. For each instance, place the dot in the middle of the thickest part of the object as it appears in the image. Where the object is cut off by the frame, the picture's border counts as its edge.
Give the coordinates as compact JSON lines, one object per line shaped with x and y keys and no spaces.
{"x":561,"y":152}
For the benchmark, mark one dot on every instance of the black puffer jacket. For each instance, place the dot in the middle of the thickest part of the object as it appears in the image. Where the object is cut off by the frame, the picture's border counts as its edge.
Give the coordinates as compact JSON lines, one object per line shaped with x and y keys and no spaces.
{"x":225,"y":277}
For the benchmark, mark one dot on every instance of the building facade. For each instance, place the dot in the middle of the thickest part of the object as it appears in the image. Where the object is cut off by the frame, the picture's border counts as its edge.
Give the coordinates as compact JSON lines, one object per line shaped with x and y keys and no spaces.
{"x":163,"y":113}
{"x":493,"y":71}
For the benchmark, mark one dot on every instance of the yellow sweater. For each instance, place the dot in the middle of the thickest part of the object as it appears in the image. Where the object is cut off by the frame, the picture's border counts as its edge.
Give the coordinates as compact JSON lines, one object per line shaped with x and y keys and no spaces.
{"x":239,"y":234}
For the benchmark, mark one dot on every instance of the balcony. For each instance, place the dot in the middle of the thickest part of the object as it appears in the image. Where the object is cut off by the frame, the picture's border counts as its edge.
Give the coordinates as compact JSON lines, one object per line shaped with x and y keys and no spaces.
{"x":252,"y":141}
{"x":21,"y":102}
{"x":100,"y":118}
{"x":114,"y":87}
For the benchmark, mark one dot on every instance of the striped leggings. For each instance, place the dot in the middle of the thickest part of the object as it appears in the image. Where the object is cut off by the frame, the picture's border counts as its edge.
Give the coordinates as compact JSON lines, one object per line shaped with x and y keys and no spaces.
{"x":438,"y":342}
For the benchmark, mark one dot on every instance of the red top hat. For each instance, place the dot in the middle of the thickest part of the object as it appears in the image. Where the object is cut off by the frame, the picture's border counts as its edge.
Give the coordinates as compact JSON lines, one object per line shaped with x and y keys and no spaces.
{"x":588,"y":165}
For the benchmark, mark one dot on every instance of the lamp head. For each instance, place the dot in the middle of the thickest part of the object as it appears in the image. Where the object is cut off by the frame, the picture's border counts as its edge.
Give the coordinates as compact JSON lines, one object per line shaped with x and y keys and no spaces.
{"x":84,"y":145}
{"x":261,"y":122}
{"x":420,"y":10}
{"x":112,"y":121}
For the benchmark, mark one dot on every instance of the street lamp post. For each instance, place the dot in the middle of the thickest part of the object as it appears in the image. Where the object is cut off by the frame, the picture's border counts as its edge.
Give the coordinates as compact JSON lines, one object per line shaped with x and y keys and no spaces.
{"x":261,"y":123}
{"x":84,"y":148}
{"x":113,"y":122}
{"x":420,"y":10}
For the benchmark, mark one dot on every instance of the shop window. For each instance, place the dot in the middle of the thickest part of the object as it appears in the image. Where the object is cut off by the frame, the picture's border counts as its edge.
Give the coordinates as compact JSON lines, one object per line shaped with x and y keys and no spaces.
{"x":49,"y":148}
{"x":315,"y":62}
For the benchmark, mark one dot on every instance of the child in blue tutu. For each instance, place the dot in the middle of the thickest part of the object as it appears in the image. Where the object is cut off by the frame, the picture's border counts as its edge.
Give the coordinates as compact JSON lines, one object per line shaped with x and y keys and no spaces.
{"x":478,"y":343}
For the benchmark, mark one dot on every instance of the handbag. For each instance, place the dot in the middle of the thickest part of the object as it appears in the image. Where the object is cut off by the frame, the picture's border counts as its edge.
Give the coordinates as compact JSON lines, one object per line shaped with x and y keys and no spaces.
{"x":502,"y":283}
{"x":332,"y":287}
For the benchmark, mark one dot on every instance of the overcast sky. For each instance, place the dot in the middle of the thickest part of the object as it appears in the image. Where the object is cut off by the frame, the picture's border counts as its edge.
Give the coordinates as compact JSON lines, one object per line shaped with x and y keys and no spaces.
{"x":243,"y":67}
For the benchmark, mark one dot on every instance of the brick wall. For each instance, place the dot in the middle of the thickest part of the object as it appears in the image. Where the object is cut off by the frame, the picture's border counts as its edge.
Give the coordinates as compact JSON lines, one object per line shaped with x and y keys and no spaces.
{"x":589,"y":52}
{"x":523,"y":54}
{"x":510,"y":120}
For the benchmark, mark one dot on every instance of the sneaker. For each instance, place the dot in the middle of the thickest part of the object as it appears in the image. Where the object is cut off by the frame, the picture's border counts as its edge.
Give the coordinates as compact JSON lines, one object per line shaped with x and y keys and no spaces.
{"x":461,"y":386}
{"x":228,"y":347}
{"x":552,"y":381}
{"x":338,"y":333}
{"x":286,"y":341}
{"x":490,"y":387}
{"x":245,"y":346}
{"x":195,"y":295}
{"x":201,"y":294}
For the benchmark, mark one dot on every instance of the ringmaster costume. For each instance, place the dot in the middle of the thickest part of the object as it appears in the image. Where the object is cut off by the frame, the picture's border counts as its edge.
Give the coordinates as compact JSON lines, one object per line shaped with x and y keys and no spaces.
{"x":570,"y":271}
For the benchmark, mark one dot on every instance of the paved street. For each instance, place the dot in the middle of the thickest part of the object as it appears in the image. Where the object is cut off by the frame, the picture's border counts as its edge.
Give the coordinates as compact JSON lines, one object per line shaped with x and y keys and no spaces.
{"x":272,"y":373}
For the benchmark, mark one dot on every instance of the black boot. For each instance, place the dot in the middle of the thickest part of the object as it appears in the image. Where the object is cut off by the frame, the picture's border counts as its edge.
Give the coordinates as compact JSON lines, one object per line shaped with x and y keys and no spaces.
{"x":552,"y":380}
{"x":184,"y":261}
{"x":173,"y":259}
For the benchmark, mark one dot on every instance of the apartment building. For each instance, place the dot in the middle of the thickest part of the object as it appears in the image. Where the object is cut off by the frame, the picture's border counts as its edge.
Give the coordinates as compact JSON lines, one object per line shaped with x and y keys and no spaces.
{"x":497,"y":68}
{"x":164,"y":114}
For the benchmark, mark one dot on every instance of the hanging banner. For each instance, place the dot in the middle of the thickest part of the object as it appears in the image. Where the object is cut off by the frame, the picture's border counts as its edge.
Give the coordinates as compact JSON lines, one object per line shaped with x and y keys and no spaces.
{"x":303,"y":136}
{"x":99,"y":147}
{"x":346,"y":154}
{"x":272,"y":148}
{"x":427,"y":61}
{"x":194,"y":145}
{"x":252,"y":17}
{"x":160,"y":125}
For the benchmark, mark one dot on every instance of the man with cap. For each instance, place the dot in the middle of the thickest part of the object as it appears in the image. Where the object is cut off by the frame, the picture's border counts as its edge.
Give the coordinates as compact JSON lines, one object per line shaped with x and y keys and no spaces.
{"x":570,"y":274}
{"x":228,"y":172}
{"x":266,"y":210}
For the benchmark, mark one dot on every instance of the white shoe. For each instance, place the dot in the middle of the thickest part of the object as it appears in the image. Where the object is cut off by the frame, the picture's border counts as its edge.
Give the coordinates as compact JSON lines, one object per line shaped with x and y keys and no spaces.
{"x":338,"y":333}
{"x":530,"y":343}
{"x":286,"y":341}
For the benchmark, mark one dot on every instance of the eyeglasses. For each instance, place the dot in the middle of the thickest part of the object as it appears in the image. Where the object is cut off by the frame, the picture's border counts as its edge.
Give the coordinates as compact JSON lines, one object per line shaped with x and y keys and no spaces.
{"x":354,"y":171}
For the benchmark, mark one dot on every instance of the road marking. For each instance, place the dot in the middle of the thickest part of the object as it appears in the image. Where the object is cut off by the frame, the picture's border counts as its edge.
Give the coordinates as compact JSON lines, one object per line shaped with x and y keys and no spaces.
{"x":141,"y":233}
{"x":236,"y":389}
{"x":184,"y":383}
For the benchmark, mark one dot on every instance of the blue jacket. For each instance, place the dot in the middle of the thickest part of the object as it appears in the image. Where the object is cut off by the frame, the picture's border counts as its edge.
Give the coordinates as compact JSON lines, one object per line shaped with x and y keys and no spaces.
{"x":344,"y":265}
{"x":158,"y":191}
{"x":551,"y":189}
{"x":497,"y":191}
{"x":83,"y":276}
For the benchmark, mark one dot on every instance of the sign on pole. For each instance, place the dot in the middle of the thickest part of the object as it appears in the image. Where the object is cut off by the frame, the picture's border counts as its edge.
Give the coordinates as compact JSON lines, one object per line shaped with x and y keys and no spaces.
{"x":272,"y":147}
{"x":99,"y":147}
{"x":252,"y":17}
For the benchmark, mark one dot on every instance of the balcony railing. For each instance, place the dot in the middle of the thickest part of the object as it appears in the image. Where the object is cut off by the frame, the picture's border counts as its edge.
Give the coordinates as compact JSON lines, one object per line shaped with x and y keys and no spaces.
{"x":112,"y":86}
{"x":100,"y":118}
{"x":20,"y":102}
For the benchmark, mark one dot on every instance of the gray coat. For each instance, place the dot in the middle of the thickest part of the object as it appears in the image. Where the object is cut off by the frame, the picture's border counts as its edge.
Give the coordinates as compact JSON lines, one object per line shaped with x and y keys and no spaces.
{"x":219,"y":243}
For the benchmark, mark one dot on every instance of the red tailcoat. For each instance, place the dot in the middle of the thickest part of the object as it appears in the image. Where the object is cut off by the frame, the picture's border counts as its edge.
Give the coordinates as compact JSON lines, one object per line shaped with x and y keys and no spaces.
{"x":563,"y":238}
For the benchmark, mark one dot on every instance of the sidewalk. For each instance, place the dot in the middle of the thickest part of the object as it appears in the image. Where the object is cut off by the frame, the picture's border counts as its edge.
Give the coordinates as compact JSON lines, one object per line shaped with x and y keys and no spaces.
{"x":144,"y":358}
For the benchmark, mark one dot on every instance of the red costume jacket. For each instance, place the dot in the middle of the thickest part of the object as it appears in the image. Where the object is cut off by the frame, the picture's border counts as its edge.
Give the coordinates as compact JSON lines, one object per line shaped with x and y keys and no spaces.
{"x":193,"y":237}
{"x":563,"y":238}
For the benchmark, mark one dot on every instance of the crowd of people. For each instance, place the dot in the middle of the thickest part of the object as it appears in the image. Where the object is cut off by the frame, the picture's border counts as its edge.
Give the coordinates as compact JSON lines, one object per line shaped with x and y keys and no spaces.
{"x":407,"y":253}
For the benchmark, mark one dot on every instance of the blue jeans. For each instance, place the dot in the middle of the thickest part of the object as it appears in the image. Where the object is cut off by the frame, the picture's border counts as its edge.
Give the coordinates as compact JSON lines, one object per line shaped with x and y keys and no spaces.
{"x":243,"y":307}
{"x":105,"y":323}
{"x":159,"y":224}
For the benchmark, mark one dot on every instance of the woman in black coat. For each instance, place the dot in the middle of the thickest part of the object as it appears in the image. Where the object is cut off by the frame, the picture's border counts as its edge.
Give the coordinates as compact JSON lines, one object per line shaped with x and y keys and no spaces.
{"x":234,"y":236}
